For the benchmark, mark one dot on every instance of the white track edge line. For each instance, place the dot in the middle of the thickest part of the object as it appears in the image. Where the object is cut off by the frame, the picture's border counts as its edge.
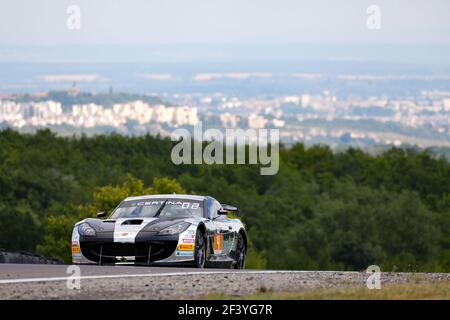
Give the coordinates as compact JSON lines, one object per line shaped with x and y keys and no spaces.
{"x":114,"y":276}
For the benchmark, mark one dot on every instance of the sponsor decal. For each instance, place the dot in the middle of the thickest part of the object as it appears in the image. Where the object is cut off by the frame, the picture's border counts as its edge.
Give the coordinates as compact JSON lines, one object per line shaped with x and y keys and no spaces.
{"x":188,"y":240}
{"x":185,"y":247}
{"x":76,"y":249}
{"x":218,"y":242}
{"x":124,"y":259}
{"x":185,"y":253}
{"x":124,"y":234}
{"x":185,"y":204}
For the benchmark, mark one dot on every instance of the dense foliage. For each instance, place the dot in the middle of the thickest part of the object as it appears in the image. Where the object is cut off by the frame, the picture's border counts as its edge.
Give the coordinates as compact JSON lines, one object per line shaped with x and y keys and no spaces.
{"x":323,"y":210}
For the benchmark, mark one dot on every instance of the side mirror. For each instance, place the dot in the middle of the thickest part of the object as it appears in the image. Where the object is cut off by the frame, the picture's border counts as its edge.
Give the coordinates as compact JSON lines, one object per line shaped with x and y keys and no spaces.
{"x":101,"y":214}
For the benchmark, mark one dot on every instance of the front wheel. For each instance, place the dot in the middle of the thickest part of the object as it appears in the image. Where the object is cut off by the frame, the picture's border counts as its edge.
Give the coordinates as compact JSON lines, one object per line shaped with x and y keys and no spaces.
{"x":241,"y":251}
{"x":200,"y":250}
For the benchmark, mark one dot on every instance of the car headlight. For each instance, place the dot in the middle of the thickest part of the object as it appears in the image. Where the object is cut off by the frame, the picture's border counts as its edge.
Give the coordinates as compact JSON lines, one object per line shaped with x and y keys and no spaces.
{"x":175,"y":228}
{"x":86,"y":230}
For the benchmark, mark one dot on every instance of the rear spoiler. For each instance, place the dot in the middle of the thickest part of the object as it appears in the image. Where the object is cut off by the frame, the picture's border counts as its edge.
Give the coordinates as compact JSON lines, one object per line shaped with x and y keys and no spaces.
{"x":230,"y":208}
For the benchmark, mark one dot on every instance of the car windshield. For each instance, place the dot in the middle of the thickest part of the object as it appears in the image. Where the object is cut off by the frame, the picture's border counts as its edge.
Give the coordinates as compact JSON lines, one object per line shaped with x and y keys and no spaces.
{"x":164,"y":207}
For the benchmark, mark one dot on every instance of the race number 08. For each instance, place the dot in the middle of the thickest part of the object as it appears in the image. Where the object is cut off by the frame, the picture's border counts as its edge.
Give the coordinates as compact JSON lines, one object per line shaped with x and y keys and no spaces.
{"x":218,"y":242}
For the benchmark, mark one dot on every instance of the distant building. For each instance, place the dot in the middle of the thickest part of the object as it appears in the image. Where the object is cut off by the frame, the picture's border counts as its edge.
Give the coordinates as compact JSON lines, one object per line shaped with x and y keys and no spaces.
{"x":446,"y":104}
{"x":256,"y":122}
{"x":292,"y":99}
{"x":306,"y":99}
{"x":229,"y":120}
{"x":278,"y":123}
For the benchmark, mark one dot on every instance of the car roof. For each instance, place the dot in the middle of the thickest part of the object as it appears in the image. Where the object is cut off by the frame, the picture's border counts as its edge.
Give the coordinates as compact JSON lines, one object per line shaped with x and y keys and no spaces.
{"x":170,"y":196}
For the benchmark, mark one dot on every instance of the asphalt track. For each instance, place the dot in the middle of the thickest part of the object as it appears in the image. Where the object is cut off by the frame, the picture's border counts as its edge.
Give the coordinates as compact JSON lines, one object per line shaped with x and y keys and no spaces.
{"x":31,"y":281}
{"x":24,"y":272}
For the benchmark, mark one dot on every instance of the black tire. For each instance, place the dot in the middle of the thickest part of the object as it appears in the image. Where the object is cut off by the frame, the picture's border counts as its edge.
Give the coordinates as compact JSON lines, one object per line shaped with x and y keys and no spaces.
{"x":241,"y":251}
{"x":200,"y":250}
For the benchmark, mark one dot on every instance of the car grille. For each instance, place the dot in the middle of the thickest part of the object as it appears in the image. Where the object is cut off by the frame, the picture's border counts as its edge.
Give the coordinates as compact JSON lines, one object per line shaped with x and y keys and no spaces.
{"x":110,"y":252}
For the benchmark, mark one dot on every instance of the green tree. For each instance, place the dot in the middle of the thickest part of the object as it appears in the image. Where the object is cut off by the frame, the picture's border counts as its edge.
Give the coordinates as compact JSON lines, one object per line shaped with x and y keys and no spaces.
{"x":57,"y":243}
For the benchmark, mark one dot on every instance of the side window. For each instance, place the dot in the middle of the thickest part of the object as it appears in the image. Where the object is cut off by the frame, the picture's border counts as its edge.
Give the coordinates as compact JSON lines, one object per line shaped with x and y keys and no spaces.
{"x":217,"y":207}
{"x":212,"y":213}
{"x":213,"y":207}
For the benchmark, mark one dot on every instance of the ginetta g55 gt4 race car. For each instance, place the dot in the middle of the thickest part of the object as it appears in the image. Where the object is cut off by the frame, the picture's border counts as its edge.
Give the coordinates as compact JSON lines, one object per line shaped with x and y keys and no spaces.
{"x":163,"y":229}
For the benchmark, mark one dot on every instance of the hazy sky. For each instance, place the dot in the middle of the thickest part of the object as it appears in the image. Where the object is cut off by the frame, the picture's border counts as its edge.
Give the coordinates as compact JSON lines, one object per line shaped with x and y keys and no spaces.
{"x":33,"y":22}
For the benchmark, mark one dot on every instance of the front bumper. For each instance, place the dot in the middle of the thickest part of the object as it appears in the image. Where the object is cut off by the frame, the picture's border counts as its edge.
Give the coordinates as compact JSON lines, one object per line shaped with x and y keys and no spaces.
{"x":116,"y":252}
{"x":147,"y":249}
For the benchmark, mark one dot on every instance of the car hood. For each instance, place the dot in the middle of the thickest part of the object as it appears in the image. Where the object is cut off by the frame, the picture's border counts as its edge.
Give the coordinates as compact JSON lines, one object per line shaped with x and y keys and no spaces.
{"x":134,"y":224}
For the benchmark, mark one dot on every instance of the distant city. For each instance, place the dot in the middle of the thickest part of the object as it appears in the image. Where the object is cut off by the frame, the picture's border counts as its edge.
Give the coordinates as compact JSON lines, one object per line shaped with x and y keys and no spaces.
{"x":421,"y":119}
{"x":362,"y":96}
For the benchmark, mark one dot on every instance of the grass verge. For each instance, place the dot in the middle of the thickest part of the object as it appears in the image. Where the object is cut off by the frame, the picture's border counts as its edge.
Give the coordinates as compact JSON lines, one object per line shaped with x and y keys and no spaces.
{"x":407,"y":291}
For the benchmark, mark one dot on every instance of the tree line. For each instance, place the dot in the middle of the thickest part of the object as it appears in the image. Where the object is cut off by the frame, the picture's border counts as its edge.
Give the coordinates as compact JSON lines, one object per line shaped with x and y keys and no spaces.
{"x":323,"y":210}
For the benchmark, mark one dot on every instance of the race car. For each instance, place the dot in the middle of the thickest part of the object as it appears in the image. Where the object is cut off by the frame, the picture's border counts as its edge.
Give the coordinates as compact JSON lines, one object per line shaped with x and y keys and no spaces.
{"x":163,"y":230}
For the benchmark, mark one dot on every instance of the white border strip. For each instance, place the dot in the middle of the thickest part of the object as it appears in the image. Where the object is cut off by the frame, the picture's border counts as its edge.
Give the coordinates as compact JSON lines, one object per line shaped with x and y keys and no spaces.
{"x":147,"y":275}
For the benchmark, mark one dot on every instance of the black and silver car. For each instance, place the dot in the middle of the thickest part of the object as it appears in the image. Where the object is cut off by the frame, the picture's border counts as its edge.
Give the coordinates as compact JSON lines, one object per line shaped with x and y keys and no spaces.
{"x":163,"y":229}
